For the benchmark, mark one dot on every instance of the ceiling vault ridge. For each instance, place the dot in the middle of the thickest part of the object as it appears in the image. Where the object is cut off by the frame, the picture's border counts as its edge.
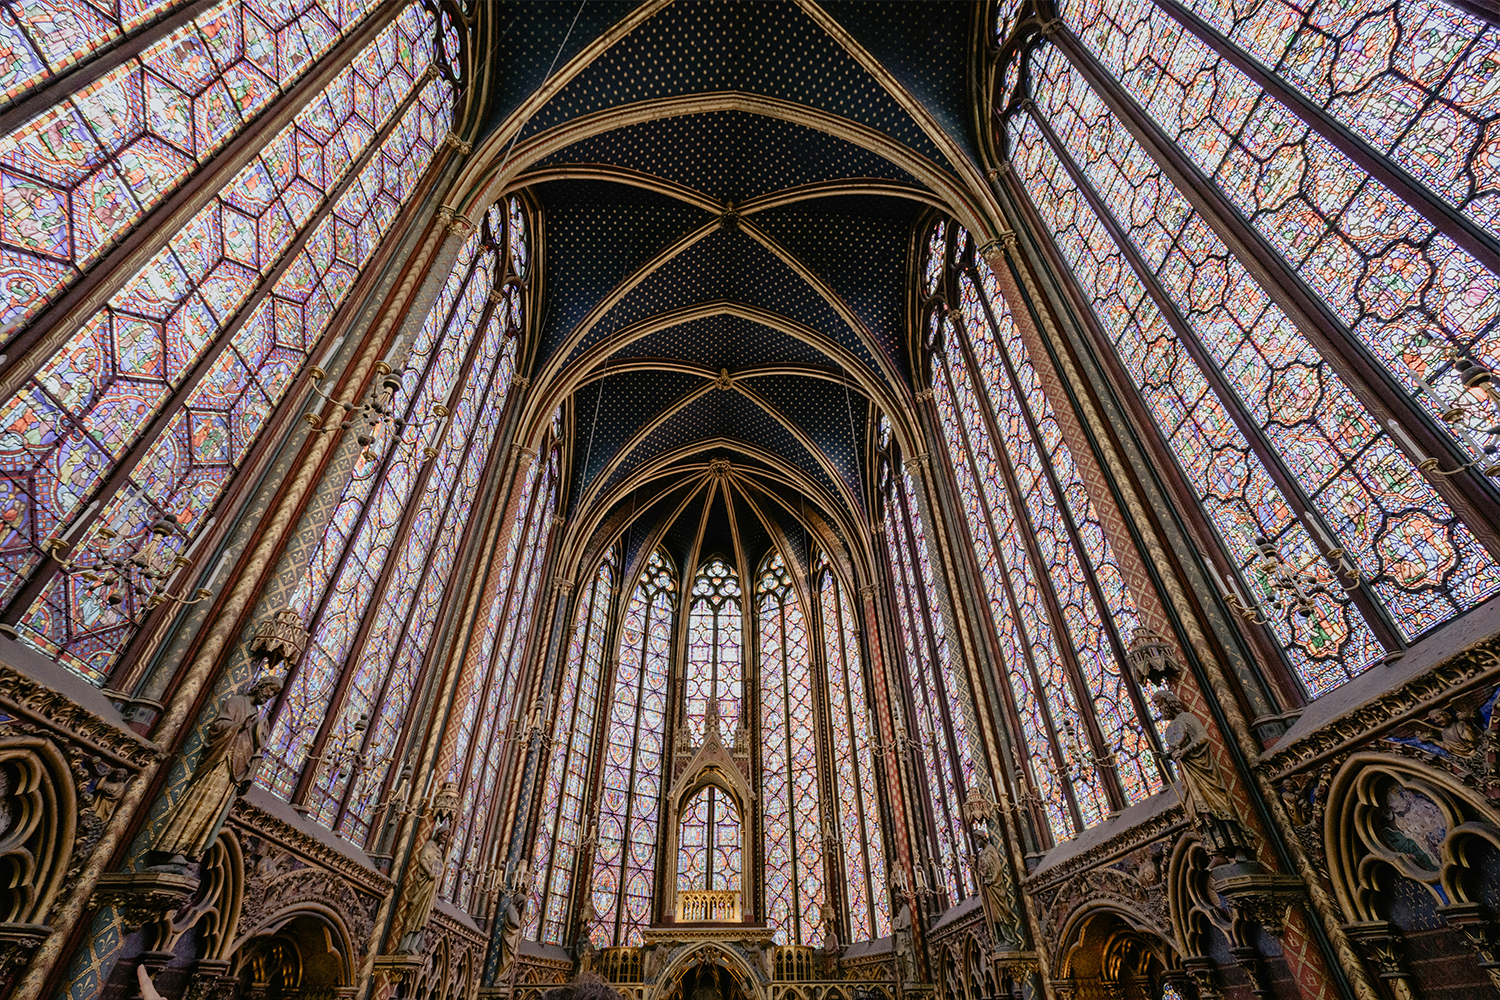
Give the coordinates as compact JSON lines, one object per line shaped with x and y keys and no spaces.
{"x":694,"y":458}
{"x":622,"y":454}
{"x":990,"y":221}
{"x":973,"y":205}
{"x":833,"y":298}
{"x":557,"y":386}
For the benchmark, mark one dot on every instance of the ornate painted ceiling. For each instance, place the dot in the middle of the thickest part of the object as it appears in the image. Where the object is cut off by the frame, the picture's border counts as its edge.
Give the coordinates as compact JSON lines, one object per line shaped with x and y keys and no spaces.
{"x":728,"y":195}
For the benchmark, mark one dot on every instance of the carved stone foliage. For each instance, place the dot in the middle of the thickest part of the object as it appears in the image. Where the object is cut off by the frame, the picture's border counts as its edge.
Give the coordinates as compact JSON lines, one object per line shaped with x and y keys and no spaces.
{"x":1442,"y":716}
{"x":286,"y":869}
{"x":1128,"y":871}
{"x":63,"y":769}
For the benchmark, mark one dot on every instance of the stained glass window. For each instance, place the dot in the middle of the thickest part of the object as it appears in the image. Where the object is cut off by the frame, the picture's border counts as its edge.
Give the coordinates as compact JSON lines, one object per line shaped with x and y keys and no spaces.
{"x":856,"y":824}
{"x":714,"y":669}
{"x":1260,"y":419}
{"x":487,"y":722}
{"x":376,"y":583}
{"x":938,"y":724}
{"x":506,"y":645}
{"x":708,"y":843}
{"x":565,"y":785}
{"x":625,"y":859}
{"x":1057,"y":599}
{"x":1415,"y":82}
{"x":162,"y":392}
{"x":794,"y":893}
{"x":75,"y":178}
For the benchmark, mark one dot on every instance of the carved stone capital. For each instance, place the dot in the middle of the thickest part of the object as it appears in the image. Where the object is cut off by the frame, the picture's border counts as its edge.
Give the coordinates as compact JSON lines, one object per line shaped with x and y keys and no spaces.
{"x":452,"y":139}
{"x":143,"y":896}
{"x":923,"y":395}
{"x":399,"y":971}
{"x":1258,"y":895}
{"x":1015,"y":965}
{"x":1153,"y":658}
{"x":917,"y":462}
{"x":1382,"y":943}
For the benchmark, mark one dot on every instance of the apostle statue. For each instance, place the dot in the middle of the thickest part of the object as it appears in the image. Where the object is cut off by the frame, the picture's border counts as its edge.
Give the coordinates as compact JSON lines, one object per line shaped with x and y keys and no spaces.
{"x":422,"y":880}
{"x":228,"y":765}
{"x":1204,"y":795}
{"x":832,"y":950}
{"x":515,"y":902}
{"x":906,"y":956}
{"x":995,"y":886}
{"x":583,"y":948}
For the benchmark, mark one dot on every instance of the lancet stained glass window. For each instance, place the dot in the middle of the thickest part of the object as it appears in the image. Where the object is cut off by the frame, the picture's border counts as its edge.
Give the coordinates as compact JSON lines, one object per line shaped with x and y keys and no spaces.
{"x":1395,"y":285}
{"x":1259,"y":418}
{"x":375,"y":584}
{"x":512,"y":606}
{"x":709,"y":852}
{"x":1057,"y":599}
{"x":567,"y":773}
{"x":789,"y":761}
{"x":857,"y":804}
{"x":940,"y":725}
{"x":138,"y":421}
{"x":714,"y":669}
{"x":491,"y":669}
{"x":625,"y":859}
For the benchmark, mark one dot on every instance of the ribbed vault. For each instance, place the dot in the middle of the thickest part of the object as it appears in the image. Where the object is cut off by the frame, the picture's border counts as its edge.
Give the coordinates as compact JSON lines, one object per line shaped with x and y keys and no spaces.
{"x":729,"y":232}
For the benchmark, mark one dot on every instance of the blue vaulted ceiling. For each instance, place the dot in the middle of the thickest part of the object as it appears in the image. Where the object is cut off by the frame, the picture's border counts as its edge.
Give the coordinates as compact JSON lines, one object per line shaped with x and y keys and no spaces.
{"x":730,"y":187}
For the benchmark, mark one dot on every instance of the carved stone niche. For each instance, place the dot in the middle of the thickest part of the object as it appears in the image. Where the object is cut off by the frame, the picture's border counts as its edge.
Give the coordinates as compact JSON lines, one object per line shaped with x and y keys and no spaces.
{"x":143,"y":897}
{"x":1256,"y":894}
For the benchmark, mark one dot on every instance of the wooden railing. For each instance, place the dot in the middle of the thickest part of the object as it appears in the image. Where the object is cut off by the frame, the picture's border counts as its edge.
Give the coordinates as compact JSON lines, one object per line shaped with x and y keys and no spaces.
{"x":708,"y":906}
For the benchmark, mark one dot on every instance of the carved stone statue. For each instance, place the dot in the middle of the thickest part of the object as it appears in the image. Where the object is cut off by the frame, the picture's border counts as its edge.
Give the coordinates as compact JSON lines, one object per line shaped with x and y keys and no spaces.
{"x":832,"y":949}
{"x":583,"y":948}
{"x":229,"y":762}
{"x":421,"y":891}
{"x":510,"y":934}
{"x":901,"y":940}
{"x":996,"y":889}
{"x":1203,"y":792}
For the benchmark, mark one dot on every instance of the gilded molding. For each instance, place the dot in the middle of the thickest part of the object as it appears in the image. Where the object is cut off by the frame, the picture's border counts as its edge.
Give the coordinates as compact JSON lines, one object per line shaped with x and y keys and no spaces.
{"x":1368,"y":720}
{"x":56,"y":710}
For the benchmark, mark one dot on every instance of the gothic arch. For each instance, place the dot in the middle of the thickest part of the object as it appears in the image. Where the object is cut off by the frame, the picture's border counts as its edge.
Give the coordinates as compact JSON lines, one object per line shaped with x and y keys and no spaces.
{"x":1388,"y":814}
{"x":298,"y":925}
{"x":709,"y":953}
{"x":1113,"y":943}
{"x":38,"y":827}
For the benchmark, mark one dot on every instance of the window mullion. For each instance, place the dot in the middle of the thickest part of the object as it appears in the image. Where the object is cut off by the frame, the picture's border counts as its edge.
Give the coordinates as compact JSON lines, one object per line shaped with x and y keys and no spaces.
{"x":1442,"y":216}
{"x":48,"y":567}
{"x":1370,"y":381}
{"x":936,"y":798}
{"x":403,"y":533}
{"x":1117,"y":642}
{"x":1044,"y":587}
{"x":1047,"y":586}
{"x":1372,"y":610}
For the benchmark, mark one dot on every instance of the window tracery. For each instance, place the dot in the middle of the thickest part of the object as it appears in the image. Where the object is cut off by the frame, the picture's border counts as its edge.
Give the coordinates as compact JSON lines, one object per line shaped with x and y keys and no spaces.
{"x":625,"y":859}
{"x":561,"y":828}
{"x":857,"y":803}
{"x":375,"y":584}
{"x":942,"y":732}
{"x":1284,"y":456}
{"x":505,"y":645}
{"x":1057,"y":599}
{"x":715,"y":671}
{"x":794,"y":889}
{"x":132,"y":429}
